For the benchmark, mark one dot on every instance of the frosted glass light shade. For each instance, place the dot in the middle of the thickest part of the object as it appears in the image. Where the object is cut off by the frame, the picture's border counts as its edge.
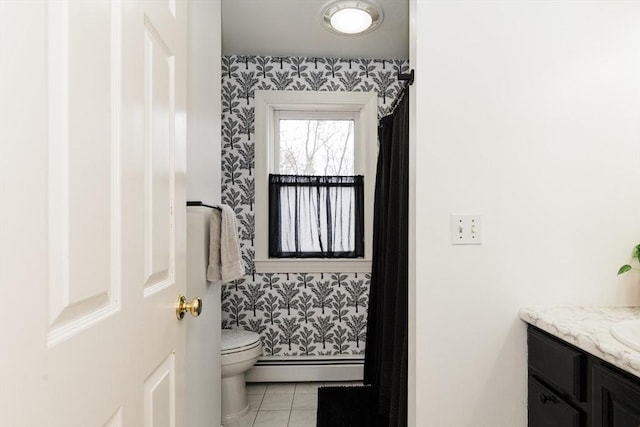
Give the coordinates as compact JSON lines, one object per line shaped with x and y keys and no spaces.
{"x":351,"y":21}
{"x":351,"y":17}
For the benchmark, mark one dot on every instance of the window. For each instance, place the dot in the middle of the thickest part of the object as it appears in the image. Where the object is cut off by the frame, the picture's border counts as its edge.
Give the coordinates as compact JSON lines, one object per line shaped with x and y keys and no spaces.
{"x":316,"y":203}
{"x":312,"y":216}
{"x":315,"y":165}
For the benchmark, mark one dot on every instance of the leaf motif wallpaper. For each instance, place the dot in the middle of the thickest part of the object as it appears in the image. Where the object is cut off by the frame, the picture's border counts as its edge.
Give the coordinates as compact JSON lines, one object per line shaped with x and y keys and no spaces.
{"x":296,"y":314}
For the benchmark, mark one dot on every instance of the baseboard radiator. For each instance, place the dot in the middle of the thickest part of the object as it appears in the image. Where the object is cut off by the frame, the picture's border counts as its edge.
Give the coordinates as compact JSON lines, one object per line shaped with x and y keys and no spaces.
{"x":300,"y":369}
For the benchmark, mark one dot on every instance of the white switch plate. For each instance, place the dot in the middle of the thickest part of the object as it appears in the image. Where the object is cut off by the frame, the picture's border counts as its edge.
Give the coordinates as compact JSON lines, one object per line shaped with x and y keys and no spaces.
{"x":466,"y":229}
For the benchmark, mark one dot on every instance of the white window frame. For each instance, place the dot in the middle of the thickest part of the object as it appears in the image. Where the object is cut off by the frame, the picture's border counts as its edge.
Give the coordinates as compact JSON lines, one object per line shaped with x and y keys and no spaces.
{"x":268,"y":106}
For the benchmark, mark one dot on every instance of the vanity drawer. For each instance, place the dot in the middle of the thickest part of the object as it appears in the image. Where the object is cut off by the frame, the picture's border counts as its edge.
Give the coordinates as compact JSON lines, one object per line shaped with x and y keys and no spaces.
{"x":546,"y":409}
{"x":557,"y":363}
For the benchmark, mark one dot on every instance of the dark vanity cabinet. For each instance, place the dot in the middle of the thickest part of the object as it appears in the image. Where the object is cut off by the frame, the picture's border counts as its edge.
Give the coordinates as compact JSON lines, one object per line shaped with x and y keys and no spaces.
{"x":616,"y":398}
{"x":548,"y":409}
{"x":557,"y":383}
{"x":571,"y":388}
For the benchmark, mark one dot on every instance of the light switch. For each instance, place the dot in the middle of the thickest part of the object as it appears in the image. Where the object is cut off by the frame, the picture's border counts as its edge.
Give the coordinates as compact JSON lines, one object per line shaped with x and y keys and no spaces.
{"x":466,"y":229}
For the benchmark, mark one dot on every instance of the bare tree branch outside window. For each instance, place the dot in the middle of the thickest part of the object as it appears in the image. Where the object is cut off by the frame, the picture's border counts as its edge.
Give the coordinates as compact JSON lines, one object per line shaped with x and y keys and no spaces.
{"x":316,"y":147}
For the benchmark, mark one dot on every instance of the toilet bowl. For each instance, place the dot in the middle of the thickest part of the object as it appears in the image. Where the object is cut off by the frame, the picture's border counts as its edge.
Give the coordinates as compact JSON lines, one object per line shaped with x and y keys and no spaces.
{"x":240,"y":351}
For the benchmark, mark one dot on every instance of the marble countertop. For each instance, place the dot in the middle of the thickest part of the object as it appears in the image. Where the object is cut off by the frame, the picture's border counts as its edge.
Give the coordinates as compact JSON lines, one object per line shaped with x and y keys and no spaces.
{"x":588,"y":329}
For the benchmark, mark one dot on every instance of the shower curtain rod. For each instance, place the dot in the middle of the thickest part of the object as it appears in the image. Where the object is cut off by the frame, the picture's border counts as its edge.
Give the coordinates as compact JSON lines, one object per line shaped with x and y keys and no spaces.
{"x":199,"y":203}
{"x":410,"y":77}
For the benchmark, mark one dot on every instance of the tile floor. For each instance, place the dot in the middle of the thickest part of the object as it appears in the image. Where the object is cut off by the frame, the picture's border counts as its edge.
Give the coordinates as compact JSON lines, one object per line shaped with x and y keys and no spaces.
{"x":283,"y":404}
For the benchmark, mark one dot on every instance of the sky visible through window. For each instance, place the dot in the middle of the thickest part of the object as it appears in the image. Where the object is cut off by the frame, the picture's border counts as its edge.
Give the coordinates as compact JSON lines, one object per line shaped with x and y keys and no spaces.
{"x":316,"y":147}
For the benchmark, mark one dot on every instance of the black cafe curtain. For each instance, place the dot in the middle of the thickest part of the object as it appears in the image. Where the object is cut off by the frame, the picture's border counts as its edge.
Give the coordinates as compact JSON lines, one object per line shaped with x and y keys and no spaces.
{"x":386,"y":350}
{"x":316,"y":216}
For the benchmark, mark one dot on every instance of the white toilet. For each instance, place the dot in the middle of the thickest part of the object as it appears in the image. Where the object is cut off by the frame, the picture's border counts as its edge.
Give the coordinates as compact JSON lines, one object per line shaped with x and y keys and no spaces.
{"x":240,"y":351}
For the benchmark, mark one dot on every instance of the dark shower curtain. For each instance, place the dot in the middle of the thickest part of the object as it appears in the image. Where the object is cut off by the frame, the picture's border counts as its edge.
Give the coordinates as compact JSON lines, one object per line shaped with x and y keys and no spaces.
{"x":386,"y":350}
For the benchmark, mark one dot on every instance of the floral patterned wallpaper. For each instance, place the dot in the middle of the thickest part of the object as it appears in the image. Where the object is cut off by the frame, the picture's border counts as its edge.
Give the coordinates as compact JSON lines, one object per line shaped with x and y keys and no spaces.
{"x":296,"y":314}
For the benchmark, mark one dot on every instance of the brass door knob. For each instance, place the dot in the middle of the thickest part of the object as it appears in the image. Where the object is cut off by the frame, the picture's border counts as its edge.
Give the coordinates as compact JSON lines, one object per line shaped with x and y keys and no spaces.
{"x":182,"y":306}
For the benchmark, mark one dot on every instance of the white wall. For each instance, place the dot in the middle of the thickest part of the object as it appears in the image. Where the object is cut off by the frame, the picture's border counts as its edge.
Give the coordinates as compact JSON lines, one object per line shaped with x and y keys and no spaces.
{"x":204,"y":133}
{"x":203,"y":183}
{"x":529,"y":113}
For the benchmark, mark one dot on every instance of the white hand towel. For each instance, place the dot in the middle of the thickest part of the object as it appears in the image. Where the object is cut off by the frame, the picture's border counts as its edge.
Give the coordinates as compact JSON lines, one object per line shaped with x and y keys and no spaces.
{"x":213,"y":270}
{"x":225,"y":258}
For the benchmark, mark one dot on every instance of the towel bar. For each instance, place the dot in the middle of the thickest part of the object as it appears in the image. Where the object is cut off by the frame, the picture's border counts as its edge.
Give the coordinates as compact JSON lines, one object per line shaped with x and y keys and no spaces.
{"x":199,"y":203}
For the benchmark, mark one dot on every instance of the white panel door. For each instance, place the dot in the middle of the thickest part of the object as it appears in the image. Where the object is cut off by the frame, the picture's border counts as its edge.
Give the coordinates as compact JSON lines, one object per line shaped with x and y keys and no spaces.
{"x":92,"y":131}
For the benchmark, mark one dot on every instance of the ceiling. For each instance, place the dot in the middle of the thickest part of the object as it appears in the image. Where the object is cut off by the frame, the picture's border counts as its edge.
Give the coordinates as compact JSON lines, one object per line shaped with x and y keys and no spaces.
{"x":293,"y":28}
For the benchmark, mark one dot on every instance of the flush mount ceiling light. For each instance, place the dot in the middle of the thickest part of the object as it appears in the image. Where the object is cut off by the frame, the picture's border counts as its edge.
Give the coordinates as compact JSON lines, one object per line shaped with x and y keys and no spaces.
{"x":351,"y":17}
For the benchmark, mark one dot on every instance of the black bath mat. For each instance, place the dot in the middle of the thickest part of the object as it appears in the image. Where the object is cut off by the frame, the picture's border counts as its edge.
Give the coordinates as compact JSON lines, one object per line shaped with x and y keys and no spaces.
{"x":348,"y":407}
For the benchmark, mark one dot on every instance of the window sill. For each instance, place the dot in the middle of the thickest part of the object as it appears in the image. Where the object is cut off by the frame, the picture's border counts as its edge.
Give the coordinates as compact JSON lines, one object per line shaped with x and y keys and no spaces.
{"x":313,"y":265}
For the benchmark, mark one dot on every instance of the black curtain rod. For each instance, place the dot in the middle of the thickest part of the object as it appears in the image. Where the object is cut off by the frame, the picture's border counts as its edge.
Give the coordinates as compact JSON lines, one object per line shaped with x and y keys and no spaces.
{"x":410,"y":77}
{"x":409,"y":81}
{"x":199,"y":203}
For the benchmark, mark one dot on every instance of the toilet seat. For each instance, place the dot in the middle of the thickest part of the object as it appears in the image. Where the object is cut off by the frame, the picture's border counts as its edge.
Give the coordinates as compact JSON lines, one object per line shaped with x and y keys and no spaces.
{"x":239,"y":340}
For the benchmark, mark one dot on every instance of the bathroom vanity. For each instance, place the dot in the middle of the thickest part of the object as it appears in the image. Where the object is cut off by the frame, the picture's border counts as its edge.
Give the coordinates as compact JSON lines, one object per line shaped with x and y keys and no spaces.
{"x":579,"y":375}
